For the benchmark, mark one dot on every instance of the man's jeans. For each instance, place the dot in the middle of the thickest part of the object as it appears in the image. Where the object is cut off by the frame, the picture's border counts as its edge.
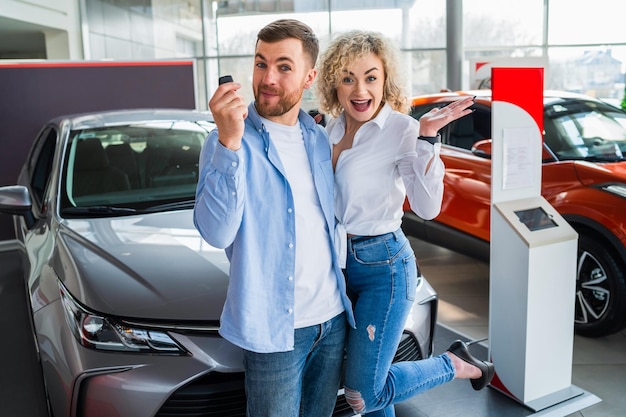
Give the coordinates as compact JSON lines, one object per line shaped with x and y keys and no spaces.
{"x":381,"y":274}
{"x":302,"y":382}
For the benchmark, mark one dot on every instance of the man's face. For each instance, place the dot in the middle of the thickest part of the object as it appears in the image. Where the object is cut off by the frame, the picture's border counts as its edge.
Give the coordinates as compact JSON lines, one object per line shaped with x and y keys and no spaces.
{"x":281,"y":73}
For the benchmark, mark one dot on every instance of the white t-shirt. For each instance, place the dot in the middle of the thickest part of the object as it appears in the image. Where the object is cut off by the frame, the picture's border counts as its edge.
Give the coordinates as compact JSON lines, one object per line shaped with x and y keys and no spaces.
{"x":316,"y":294}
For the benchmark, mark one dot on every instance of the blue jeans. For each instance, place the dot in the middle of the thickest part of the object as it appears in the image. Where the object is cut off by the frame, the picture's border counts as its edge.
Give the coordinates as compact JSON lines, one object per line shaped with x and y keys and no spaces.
{"x":381,"y":275}
{"x":302,"y":382}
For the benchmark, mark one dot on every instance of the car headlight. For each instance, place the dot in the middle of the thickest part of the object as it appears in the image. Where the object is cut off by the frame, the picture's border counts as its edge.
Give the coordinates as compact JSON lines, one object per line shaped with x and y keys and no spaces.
{"x":615,"y":188}
{"x":105,"y":333}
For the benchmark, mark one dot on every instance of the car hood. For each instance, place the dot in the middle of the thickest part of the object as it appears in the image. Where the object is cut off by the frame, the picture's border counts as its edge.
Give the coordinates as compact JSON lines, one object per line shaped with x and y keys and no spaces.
{"x":153,"y":266}
{"x":596,"y":173}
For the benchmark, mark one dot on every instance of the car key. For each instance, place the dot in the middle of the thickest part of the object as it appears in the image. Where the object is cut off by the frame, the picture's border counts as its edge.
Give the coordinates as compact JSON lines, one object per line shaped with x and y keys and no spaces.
{"x":225,"y":79}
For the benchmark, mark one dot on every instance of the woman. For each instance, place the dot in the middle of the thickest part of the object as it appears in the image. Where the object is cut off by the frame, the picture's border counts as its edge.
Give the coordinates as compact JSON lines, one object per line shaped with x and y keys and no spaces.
{"x":380,"y":155}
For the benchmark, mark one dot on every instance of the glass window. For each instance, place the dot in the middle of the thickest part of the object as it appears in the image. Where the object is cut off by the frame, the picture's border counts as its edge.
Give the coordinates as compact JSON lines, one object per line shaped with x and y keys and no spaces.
{"x":241,"y":70}
{"x":386,"y":21}
{"x":502,"y":23}
{"x":141,"y":30}
{"x":596,"y":71}
{"x":591,"y":60}
{"x":427,"y":25}
{"x":237,"y":33}
{"x":427,"y":72}
{"x":581,"y":22}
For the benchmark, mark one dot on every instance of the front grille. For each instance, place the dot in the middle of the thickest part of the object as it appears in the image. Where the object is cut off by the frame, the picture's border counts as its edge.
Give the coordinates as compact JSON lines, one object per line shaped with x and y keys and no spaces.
{"x":223,"y":395}
{"x":342,"y":408}
{"x":408,"y":349}
{"x":219,"y":395}
{"x":213,"y":395}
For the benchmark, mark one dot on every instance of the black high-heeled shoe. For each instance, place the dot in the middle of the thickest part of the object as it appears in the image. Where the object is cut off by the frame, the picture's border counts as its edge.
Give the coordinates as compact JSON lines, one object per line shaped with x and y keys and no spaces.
{"x":459,"y":348}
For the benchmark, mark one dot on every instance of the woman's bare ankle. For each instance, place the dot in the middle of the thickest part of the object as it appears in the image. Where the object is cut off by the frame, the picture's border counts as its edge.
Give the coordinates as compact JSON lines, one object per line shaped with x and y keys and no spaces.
{"x":462,"y":369}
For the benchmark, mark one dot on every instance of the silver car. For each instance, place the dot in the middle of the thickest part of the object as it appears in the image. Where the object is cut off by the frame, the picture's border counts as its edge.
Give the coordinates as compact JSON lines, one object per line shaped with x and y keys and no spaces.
{"x":125,"y":295}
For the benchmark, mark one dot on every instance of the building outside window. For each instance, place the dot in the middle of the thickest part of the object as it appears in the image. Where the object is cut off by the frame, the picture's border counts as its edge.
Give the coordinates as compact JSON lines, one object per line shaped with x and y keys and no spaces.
{"x":584,"y":48}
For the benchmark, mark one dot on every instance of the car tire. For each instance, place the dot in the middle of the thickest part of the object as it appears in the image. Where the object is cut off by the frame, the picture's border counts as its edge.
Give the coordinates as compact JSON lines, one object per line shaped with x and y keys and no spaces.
{"x":600,"y":307}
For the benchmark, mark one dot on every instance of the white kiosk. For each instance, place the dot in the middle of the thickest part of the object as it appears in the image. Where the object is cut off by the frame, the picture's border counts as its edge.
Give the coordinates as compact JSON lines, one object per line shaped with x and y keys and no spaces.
{"x":532,"y":260}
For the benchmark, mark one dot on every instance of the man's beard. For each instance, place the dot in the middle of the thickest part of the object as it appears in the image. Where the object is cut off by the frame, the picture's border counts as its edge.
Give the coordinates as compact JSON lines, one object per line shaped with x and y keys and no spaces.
{"x":285,"y":103}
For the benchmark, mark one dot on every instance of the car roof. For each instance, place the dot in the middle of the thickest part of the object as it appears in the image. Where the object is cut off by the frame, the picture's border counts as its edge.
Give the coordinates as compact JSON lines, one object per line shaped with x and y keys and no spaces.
{"x":124,"y":116}
{"x":485,"y":94}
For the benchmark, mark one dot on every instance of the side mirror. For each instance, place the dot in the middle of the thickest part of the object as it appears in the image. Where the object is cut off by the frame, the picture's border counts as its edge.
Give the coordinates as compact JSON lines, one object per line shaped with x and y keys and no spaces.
{"x":15,"y":199}
{"x":482,"y":148}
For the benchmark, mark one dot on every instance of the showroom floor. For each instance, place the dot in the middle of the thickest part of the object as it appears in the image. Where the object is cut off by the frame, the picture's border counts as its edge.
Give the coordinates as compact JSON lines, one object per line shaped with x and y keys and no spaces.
{"x":599,"y":365}
{"x":463,"y":286}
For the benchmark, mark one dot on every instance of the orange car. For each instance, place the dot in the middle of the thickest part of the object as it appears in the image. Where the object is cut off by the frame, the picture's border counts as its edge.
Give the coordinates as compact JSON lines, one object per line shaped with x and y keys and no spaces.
{"x":583,"y":178}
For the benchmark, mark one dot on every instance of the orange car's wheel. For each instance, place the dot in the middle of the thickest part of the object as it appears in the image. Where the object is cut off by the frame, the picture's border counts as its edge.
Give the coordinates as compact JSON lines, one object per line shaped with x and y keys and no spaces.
{"x":600,"y":290}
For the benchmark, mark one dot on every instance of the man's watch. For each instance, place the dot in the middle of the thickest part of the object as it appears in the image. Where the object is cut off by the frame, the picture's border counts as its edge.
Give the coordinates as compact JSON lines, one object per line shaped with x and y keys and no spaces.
{"x":430,"y":139}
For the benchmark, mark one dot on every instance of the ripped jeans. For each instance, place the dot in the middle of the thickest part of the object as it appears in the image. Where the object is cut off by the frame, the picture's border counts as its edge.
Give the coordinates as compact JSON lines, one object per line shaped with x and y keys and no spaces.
{"x":381,"y":275}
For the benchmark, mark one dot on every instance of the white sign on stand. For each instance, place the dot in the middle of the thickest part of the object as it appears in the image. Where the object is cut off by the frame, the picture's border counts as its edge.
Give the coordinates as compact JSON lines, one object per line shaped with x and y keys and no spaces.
{"x":518,"y":156}
{"x":532,"y":260}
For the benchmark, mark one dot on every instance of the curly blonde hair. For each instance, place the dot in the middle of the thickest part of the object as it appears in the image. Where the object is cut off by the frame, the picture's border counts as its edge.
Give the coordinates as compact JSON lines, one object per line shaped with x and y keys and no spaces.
{"x":348,"y":48}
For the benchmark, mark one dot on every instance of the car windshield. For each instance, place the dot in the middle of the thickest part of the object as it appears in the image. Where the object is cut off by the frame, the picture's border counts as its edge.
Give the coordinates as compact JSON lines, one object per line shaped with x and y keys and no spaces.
{"x":585,"y":130}
{"x":116,"y":170}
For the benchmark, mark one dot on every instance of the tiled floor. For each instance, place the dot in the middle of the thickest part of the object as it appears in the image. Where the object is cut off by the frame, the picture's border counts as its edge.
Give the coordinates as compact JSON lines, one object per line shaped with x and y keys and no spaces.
{"x":463,"y":286}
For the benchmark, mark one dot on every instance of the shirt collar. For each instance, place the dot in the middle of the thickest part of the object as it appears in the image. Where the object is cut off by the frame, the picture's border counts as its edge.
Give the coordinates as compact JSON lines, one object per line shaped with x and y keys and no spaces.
{"x":379,"y":120}
{"x":382,"y":115}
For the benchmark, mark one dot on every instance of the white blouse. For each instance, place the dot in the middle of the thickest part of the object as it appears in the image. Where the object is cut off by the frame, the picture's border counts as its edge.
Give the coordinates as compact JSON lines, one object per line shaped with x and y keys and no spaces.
{"x":386,"y":163}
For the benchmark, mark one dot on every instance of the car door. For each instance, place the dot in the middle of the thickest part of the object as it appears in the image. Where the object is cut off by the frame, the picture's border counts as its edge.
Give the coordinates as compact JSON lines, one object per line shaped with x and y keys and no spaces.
{"x":467,"y":196}
{"x":466,"y":201}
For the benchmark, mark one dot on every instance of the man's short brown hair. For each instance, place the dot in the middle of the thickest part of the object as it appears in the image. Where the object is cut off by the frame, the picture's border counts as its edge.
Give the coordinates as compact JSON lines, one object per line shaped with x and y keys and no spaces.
{"x":292,"y":29}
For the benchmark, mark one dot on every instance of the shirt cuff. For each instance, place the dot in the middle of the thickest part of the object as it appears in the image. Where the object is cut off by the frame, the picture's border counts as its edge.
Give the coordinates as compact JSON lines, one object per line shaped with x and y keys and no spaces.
{"x":225,"y":160}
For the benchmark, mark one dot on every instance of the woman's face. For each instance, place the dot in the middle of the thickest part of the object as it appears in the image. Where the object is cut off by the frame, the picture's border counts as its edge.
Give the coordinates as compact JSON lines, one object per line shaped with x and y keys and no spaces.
{"x":360,"y":89}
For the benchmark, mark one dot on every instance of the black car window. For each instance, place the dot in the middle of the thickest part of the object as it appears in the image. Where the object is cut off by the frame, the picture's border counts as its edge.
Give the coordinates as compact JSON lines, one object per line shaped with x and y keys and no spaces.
{"x":464,"y":132}
{"x":482,"y":121}
{"x":418,"y":111}
{"x":43,"y":158}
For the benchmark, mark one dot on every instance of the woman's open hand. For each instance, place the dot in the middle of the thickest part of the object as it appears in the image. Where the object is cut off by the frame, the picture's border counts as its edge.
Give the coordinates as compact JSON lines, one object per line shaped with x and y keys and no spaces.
{"x":435,"y":119}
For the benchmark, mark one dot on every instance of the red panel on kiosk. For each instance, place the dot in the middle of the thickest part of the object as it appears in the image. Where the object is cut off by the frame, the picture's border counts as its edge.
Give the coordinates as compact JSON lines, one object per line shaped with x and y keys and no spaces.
{"x":520,"y":86}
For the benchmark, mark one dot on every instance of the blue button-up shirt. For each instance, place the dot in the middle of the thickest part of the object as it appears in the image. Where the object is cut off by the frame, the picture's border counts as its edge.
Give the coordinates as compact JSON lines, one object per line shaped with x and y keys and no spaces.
{"x":245,"y":205}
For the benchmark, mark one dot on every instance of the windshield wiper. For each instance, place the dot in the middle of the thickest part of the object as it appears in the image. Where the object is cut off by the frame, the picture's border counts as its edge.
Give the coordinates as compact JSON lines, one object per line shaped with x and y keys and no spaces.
{"x":177,"y":205}
{"x":109,"y":210}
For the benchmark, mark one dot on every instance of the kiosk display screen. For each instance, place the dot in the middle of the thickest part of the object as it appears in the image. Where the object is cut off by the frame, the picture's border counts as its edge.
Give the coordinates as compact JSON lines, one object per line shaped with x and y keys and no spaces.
{"x":535,"y":219}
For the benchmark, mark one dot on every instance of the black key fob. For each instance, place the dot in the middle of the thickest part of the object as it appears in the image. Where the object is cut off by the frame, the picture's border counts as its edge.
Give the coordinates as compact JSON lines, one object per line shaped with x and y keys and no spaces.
{"x":225,"y":79}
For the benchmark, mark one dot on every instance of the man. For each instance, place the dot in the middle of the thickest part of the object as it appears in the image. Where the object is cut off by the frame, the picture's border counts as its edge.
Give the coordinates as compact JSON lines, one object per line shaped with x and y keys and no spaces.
{"x":265,"y":194}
